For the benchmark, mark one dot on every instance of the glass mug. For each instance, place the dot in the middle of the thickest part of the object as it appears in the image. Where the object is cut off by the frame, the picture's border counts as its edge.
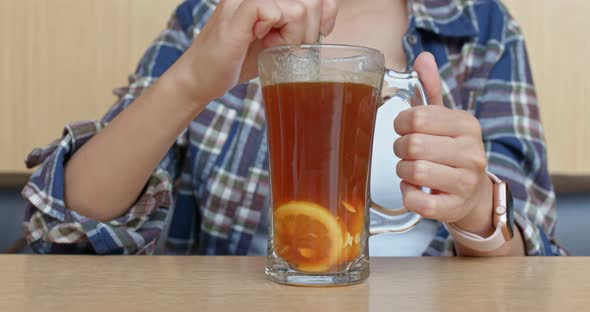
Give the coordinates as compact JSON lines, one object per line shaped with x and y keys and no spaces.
{"x":321,"y":103}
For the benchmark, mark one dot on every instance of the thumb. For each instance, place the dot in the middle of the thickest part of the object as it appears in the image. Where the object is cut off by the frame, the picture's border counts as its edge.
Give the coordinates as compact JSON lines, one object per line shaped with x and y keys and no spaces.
{"x":425,"y":66}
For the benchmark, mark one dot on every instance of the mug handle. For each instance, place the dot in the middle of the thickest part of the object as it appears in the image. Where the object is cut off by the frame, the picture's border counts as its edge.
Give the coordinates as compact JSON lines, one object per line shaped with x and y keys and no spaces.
{"x":407,"y":88}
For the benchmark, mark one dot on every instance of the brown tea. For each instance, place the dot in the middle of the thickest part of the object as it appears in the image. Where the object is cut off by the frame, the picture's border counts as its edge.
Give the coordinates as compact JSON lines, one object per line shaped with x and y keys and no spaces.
{"x":320,"y":136}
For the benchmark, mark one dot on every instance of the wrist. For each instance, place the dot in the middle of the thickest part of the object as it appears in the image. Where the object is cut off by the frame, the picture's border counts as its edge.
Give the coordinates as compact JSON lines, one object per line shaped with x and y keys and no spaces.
{"x":182,"y":80}
{"x":480,"y":219}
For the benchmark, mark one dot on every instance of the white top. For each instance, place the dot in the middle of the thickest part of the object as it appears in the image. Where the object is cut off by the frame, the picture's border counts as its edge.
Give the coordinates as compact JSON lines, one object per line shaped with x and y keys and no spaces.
{"x":384,"y":190}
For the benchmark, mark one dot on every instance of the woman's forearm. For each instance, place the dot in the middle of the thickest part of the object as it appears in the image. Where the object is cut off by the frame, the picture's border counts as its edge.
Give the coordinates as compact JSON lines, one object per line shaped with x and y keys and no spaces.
{"x":106,"y":175}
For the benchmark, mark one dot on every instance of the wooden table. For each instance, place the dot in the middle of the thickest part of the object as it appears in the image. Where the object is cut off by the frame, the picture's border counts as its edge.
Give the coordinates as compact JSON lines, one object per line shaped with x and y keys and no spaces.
{"x":88,"y":283}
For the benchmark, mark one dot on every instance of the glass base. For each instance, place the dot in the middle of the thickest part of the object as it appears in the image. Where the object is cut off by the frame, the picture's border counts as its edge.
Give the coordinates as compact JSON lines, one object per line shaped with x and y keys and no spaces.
{"x":278,"y":271}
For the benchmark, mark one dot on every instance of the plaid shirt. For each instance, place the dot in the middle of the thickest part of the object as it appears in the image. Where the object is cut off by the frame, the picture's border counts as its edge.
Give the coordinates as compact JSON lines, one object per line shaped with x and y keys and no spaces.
{"x":211,"y":188}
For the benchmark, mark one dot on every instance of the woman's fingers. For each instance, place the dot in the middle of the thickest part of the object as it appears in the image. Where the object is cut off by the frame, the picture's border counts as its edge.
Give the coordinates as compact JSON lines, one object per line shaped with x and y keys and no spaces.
{"x":435,"y":176}
{"x":438,"y":149}
{"x":328,"y":20}
{"x":441,"y":150}
{"x":226,"y":49}
{"x":436,"y":120}
{"x":252,"y":18}
{"x":313,"y":9}
{"x":441,"y":207}
{"x":293,"y":26}
{"x":280,"y":22}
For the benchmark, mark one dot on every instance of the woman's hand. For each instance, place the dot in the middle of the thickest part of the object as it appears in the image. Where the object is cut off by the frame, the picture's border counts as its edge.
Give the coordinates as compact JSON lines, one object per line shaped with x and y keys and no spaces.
{"x":442,"y":149}
{"x":225,"y":51}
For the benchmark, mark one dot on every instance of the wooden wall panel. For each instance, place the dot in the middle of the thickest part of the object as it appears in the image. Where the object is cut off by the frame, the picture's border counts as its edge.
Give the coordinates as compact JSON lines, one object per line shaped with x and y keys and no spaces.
{"x":59,"y":61}
{"x":558,"y":49}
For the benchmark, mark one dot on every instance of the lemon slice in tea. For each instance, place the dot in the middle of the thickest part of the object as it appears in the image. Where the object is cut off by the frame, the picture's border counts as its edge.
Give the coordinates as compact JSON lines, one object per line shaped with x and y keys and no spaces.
{"x":307,"y":236}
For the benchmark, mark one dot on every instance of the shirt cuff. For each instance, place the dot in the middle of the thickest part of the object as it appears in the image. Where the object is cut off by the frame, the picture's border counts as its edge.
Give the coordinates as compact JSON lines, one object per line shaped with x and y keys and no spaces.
{"x":536,"y":241}
{"x":50,"y":225}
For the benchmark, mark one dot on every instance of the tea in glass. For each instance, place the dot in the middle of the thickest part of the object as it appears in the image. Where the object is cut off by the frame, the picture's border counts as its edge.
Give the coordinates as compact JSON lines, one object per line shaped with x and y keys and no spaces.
{"x":320,"y":136}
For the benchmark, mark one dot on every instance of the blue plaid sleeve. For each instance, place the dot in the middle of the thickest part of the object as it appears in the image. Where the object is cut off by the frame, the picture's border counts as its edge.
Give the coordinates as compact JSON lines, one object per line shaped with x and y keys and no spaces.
{"x":497,"y":87}
{"x":513,"y":134}
{"x":50,"y":227}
